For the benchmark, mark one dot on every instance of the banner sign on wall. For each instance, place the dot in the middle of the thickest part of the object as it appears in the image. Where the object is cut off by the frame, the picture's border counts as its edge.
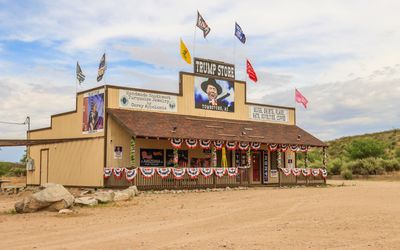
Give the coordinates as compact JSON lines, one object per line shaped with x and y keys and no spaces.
{"x":269,"y":114}
{"x":213,"y":94}
{"x":265,"y":175}
{"x":118,"y":152}
{"x":151,"y":157}
{"x":93,"y":112}
{"x":183,"y":158}
{"x":132,"y":99}
{"x":214,"y":69}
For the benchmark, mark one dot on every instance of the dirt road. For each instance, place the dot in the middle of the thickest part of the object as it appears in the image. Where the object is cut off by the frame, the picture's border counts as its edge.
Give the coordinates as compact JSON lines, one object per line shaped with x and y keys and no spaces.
{"x":359,"y":215}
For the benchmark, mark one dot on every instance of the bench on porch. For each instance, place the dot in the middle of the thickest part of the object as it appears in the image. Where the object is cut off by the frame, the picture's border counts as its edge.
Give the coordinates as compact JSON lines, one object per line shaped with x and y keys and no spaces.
{"x":12,"y":189}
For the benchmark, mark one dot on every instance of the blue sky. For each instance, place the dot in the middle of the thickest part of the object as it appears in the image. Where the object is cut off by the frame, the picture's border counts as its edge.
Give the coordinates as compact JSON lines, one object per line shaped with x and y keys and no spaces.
{"x":342,"y":55}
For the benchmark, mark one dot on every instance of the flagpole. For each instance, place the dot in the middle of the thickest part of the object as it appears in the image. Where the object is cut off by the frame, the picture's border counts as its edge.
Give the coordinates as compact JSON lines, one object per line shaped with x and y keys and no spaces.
{"x":194,"y":40}
{"x":234,"y":45}
{"x":76,"y":79}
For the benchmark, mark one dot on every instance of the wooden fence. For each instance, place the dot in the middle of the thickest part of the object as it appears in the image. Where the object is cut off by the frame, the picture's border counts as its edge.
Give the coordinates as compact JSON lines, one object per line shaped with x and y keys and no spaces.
{"x":300,"y":180}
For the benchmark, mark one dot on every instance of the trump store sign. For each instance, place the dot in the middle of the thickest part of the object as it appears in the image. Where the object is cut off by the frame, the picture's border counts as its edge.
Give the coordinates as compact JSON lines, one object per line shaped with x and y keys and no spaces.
{"x":214,"y":69}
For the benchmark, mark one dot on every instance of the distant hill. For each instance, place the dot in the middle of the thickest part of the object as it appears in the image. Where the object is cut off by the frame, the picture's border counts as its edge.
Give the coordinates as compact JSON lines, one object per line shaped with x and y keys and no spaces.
{"x":11,"y":169}
{"x":391,"y":138}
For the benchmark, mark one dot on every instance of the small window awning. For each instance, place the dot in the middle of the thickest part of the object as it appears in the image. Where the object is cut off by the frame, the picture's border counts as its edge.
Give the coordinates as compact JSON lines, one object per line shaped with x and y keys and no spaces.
{"x":166,"y":125}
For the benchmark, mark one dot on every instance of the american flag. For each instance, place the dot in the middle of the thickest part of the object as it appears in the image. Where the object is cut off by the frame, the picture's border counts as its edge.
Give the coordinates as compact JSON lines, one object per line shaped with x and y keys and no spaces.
{"x":79,"y":74}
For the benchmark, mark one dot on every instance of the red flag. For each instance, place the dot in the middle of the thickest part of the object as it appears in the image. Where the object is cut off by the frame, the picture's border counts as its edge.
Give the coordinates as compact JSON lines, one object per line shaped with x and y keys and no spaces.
{"x":250,"y":71}
{"x":301,"y":99}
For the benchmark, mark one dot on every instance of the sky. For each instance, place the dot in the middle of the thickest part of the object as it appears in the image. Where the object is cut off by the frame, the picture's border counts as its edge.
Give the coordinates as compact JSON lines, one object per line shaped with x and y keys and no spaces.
{"x":343,"y":56}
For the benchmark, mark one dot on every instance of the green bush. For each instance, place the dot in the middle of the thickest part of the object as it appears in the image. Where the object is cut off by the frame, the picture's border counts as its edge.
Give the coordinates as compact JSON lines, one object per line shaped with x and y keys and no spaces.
{"x":366,"y":166}
{"x":365,"y":148}
{"x":390,"y":165}
{"x":347,"y":175}
{"x":334,"y":166}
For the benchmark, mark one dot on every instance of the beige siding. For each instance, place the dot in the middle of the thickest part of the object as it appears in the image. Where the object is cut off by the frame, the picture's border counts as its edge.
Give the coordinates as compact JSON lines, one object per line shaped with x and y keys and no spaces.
{"x":186,"y":105}
{"x":78,"y":163}
{"x":117,"y":136}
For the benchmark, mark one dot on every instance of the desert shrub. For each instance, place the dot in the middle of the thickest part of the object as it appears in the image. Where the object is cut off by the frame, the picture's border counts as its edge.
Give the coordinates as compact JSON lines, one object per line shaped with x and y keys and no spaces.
{"x":365,"y":148}
{"x":347,"y":175}
{"x":17,"y":172}
{"x":315,"y":164}
{"x":335,"y":166}
{"x":390,"y":165}
{"x":366,"y":166}
{"x":397,"y":152}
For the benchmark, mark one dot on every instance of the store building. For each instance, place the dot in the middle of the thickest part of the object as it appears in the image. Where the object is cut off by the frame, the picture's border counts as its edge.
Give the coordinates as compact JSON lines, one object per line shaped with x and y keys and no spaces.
{"x":205,"y":135}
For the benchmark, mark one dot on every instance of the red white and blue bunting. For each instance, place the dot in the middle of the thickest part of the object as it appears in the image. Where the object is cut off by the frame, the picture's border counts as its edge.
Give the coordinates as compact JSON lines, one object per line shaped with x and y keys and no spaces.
{"x":294,"y":148}
{"x":231,"y":145}
{"x":178,"y":173}
{"x":315,"y":172}
{"x":296,"y":171}
{"x":176,"y":142}
{"x":147,"y":172}
{"x":130,"y":174}
{"x":191,"y":143}
{"x":306,"y":172}
{"x":273,"y":147}
{"x":206,"y":172}
{"x":219,"y":172}
{"x":218,"y":144}
{"x":324,"y":172}
{"x":243,"y":145}
{"x":205,"y":144}
{"x":163,"y":172}
{"x":118,"y":173}
{"x":193,"y":172}
{"x":232,"y":172}
{"x":303,"y":148}
{"x":255,"y":145}
{"x":284,"y":147}
{"x":107,"y":172}
{"x":286,"y":171}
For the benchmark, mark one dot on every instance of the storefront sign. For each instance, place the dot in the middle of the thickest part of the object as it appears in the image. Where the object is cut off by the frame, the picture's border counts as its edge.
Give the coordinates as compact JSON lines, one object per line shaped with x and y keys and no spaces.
{"x":213,"y":94}
{"x":93,"y":112}
{"x":118,"y":152}
{"x":132,"y":99}
{"x":269,"y":114}
{"x":214,"y":69}
{"x":274,"y":173}
{"x":265,"y":175}
{"x":151,"y":157}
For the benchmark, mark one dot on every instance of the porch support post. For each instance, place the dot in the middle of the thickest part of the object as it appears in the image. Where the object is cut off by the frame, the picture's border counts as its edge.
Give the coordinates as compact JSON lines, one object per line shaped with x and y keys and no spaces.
{"x":324,"y":160}
{"x":306,"y":159}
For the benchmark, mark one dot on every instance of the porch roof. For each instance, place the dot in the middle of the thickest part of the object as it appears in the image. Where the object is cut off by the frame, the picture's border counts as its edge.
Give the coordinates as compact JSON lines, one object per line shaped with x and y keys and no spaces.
{"x":165,"y":125}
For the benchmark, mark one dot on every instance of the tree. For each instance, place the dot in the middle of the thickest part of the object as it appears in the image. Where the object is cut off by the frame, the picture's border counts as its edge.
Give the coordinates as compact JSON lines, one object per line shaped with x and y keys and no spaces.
{"x":23,"y":158}
{"x":364,"y":148}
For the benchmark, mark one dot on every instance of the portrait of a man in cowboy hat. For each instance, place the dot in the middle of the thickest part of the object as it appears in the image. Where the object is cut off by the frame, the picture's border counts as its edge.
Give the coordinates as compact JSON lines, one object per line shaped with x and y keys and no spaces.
{"x":211,"y":94}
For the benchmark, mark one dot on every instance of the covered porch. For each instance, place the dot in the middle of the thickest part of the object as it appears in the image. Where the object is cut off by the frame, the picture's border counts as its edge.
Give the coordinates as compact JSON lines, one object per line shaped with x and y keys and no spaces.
{"x":168,"y":151}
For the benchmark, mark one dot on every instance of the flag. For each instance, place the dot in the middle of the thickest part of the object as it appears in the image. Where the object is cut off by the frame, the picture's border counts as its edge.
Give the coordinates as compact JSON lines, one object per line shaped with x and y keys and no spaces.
{"x":79,"y":74}
{"x":300,"y":98}
{"x":185,"y":53}
{"x":239,"y":33}
{"x":201,"y":23}
{"x":250,"y":71}
{"x":102,"y":68}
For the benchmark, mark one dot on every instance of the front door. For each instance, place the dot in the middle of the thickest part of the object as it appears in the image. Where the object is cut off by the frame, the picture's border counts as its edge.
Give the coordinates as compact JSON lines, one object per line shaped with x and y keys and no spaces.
{"x":256,"y":167}
{"x":44,"y":166}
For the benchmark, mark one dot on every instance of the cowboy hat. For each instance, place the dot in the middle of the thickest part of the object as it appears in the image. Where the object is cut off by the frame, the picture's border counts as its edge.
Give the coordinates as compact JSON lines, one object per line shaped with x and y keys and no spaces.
{"x":212,"y":82}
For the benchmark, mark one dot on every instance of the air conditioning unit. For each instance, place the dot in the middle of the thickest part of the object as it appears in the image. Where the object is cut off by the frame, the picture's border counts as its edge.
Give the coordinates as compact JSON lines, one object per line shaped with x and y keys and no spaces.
{"x":30,"y":165}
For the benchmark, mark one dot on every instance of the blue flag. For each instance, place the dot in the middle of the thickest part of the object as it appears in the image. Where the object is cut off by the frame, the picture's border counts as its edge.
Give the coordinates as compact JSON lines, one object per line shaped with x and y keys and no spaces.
{"x":239,"y":33}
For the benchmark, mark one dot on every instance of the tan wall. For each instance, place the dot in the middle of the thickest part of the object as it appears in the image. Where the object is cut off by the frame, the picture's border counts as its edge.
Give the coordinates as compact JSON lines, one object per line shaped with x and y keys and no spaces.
{"x":117,"y":136}
{"x":66,"y":125}
{"x":78,"y":163}
{"x":186,"y":105}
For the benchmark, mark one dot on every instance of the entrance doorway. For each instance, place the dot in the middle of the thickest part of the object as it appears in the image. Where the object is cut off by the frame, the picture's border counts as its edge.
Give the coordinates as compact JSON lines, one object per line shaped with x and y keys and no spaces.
{"x":256,"y":167}
{"x":44,"y":166}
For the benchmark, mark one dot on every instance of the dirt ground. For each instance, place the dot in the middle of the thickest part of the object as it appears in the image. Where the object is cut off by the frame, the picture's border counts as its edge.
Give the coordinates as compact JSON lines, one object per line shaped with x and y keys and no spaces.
{"x":356,"y":215}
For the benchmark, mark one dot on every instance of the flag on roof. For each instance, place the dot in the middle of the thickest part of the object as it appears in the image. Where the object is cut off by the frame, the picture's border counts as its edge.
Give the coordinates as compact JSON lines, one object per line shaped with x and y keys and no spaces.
{"x":300,"y":98}
{"x":79,"y":74}
{"x":102,"y":68}
{"x":239,"y":33}
{"x":250,"y":71}
{"x":201,"y":23}
{"x":185,"y":53}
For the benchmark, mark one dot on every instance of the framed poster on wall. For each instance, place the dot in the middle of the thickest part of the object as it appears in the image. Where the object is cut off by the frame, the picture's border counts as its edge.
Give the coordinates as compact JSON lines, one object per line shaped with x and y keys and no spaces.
{"x":151,"y":157}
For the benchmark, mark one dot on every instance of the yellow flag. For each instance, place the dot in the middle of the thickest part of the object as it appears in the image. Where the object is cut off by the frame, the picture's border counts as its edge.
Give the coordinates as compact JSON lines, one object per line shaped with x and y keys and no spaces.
{"x":224,"y":161}
{"x":185,"y":53}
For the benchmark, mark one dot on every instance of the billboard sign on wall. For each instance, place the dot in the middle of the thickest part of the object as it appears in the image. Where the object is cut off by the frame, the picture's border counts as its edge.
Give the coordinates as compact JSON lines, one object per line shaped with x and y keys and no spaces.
{"x":214,"y":94}
{"x":93,"y":112}
{"x":132,"y":99}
